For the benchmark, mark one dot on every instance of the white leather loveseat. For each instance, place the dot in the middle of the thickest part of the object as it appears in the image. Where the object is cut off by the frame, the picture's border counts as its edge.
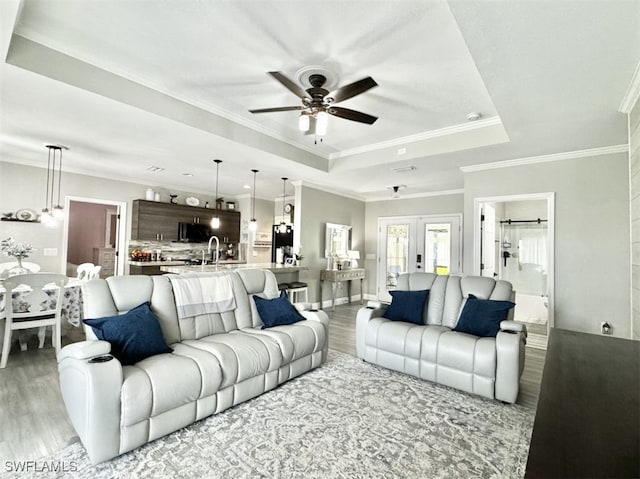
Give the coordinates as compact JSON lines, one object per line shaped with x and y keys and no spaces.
{"x":218,"y":360}
{"x":487,"y":366}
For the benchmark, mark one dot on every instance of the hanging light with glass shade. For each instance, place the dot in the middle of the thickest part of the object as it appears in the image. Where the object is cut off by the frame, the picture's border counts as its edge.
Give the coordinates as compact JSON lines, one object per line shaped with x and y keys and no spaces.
{"x":253,"y":224}
{"x":283,"y":226}
{"x":215,"y":221}
{"x":51,"y":213}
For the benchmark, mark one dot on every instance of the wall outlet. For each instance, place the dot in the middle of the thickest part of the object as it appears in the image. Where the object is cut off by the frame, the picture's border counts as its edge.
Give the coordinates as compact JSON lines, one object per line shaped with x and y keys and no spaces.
{"x":606,"y":328}
{"x":50,"y":252}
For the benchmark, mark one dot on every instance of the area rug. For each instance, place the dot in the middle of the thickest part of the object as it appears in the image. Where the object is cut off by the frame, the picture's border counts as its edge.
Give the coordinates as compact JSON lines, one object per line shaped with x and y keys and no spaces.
{"x":347,"y":419}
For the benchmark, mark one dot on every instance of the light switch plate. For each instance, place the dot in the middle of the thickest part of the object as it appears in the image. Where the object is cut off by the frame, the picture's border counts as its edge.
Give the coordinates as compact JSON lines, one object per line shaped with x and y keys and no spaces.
{"x":50,"y":252}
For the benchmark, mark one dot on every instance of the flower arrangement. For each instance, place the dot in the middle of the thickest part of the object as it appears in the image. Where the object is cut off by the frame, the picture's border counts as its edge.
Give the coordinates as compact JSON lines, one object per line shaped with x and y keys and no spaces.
{"x":10,"y":247}
{"x":298,"y":253}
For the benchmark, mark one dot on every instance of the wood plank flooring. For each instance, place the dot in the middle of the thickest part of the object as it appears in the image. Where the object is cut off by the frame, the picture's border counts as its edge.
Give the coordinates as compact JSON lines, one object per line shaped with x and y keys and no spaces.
{"x":34,"y":422}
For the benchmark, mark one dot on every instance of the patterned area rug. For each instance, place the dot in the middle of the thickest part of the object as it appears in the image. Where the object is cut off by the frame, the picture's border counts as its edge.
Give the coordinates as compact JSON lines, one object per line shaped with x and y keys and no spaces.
{"x":347,"y":419}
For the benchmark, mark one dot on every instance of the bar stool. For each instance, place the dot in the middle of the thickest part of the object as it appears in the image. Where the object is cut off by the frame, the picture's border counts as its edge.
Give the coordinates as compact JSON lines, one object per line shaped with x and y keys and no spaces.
{"x":295,"y":289}
{"x":282,"y":286}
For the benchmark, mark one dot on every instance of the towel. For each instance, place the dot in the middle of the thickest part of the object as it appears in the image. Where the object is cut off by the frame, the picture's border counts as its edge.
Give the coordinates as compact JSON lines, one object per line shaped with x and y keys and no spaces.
{"x":202,"y":293}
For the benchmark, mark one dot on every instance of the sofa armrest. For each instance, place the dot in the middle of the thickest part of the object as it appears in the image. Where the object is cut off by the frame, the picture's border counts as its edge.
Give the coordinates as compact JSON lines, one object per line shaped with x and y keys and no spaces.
{"x":373,"y":309}
{"x":510,"y":351}
{"x":302,"y":306}
{"x":90,"y":382}
{"x":513,"y":327}
{"x":84,"y":350}
{"x":321,"y":317}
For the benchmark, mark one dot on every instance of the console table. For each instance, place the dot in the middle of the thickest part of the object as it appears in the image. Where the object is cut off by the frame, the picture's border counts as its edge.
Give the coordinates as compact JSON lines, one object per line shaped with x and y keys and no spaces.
{"x":588,"y":417}
{"x":336,"y":276}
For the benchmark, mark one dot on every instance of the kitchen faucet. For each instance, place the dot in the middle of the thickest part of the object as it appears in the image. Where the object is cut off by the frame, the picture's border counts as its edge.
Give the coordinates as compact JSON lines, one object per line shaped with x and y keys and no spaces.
{"x":217,"y":248}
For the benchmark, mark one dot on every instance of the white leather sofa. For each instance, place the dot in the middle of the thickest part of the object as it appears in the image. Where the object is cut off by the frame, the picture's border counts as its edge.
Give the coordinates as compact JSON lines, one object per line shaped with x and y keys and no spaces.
{"x":218,"y":360}
{"x":487,"y":366}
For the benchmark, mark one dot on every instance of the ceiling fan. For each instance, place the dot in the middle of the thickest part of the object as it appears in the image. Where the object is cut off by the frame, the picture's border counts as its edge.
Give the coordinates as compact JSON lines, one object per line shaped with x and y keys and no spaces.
{"x":318,"y":102}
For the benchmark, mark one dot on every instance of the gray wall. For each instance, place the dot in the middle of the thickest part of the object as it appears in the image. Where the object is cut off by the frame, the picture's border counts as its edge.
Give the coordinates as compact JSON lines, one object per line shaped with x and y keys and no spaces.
{"x":592,"y":271}
{"x":317,"y":208}
{"x":24,"y":186}
{"x":634,"y":171}
{"x":432,"y":205}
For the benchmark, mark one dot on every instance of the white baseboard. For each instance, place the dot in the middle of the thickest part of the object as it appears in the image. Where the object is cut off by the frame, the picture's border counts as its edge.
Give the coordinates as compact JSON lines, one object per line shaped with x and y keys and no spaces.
{"x":354,"y":299}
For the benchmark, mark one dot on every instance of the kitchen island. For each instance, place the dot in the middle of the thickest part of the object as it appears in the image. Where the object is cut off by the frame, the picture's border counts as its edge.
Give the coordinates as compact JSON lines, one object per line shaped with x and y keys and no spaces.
{"x":224,"y":266}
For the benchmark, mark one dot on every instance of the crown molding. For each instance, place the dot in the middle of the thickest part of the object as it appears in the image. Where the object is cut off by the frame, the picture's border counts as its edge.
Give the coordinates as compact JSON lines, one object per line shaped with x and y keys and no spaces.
{"x":428,"y":194}
{"x":532,"y":160}
{"x":633,"y":93}
{"x":427,"y":135}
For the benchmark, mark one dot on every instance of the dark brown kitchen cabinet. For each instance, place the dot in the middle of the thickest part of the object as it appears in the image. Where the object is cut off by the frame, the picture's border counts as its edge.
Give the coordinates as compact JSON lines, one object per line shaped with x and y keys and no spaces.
{"x":155,"y":221}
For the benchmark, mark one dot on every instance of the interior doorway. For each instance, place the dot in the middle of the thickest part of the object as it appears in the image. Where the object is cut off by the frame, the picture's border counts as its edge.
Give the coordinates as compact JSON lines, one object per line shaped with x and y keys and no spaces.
{"x":94,"y":235}
{"x":417,"y":243}
{"x":514,"y":242}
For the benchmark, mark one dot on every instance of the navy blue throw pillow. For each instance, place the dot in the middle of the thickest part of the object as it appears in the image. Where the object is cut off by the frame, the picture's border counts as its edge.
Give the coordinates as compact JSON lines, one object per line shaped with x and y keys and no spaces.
{"x":482,"y":317}
{"x":407,"y":306}
{"x":277,"y":312}
{"x":134,"y":336}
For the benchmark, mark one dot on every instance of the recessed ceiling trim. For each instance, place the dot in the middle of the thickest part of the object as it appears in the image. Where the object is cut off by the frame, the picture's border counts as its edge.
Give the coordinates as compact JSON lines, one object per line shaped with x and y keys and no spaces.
{"x":427,"y":135}
{"x":569,"y":155}
{"x":632,"y":95}
{"x":332,"y":191}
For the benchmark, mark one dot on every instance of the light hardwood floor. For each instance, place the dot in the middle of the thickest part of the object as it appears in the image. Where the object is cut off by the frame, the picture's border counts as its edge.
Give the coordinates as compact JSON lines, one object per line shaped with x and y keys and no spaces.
{"x":34,"y":422}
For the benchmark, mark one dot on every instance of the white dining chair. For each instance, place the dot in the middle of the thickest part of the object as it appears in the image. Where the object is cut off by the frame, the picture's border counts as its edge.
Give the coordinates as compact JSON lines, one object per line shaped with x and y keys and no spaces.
{"x":35,"y":309}
{"x":87,"y":271}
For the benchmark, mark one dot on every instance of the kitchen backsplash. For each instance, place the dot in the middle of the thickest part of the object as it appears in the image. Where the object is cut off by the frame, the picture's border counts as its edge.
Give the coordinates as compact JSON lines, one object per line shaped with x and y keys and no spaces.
{"x":179,"y":251}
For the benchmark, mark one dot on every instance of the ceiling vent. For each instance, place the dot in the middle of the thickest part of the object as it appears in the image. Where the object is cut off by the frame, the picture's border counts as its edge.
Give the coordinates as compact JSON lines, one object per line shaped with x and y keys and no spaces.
{"x":403,"y":169}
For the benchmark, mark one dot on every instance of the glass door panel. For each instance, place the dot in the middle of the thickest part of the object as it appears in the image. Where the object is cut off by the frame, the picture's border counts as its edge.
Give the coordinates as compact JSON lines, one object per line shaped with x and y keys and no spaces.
{"x":437,"y":248}
{"x":397,"y":253}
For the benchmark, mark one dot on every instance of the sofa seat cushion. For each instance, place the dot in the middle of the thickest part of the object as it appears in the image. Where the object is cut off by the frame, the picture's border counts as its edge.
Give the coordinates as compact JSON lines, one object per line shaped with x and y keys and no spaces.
{"x":468,"y":353}
{"x":295,"y":340}
{"x":241,"y":356}
{"x":158,"y":384}
{"x":395,"y":336}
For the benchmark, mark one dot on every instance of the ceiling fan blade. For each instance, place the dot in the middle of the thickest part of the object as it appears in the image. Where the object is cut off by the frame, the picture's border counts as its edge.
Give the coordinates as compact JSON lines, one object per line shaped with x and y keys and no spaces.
{"x":276,"y":109}
{"x":352,"y":89}
{"x":289,"y":84}
{"x":353,"y":115}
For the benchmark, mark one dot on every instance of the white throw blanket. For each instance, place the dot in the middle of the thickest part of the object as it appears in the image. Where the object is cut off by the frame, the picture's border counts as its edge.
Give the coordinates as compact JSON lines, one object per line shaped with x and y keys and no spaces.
{"x":202,"y":293}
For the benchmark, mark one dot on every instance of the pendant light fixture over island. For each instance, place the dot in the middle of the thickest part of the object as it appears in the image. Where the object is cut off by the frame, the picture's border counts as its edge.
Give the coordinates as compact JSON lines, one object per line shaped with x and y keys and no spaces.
{"x":215,"y":221}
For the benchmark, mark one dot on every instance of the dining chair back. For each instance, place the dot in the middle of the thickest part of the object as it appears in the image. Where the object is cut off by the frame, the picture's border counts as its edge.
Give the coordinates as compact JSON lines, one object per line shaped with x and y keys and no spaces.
{"x":40,"y":307}
{"x":87,"y":271}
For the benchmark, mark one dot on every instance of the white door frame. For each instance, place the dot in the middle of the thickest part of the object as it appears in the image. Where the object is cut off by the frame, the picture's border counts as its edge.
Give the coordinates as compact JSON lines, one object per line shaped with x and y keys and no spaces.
{"x":550,"y":198}
{"x":413,"y":248}
{"x":122,"y":230}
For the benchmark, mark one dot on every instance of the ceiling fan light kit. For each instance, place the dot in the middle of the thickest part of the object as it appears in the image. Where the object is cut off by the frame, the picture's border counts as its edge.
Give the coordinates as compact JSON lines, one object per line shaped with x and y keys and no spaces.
{"x":317,"y":101}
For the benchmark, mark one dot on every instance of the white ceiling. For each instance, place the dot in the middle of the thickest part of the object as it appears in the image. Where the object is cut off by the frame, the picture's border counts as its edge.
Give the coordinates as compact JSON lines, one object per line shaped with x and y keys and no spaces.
{"x":136,"y":83}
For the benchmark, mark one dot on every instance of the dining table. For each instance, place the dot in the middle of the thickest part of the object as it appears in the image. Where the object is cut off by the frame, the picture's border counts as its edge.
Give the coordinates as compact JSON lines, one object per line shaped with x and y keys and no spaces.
{"x":71,"y":303}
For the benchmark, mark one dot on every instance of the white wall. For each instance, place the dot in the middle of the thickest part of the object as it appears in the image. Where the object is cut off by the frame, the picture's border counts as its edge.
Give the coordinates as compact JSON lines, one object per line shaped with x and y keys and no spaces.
{"x":634,"y":173}
{"x":592,"y":271}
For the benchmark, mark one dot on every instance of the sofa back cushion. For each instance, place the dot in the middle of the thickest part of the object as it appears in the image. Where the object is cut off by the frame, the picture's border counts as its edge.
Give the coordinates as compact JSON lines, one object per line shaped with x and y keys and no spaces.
{"x":119,"y":294}
{"x":258,"y":282}
{"x":448,"y":293}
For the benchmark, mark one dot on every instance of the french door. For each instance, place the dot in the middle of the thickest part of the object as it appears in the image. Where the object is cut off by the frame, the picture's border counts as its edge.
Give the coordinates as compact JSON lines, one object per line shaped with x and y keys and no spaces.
{"x":416,"y":243}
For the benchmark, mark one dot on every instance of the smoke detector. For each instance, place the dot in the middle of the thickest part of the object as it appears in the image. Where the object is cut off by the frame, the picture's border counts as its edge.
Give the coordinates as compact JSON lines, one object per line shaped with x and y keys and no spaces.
{"x":475,"y":116}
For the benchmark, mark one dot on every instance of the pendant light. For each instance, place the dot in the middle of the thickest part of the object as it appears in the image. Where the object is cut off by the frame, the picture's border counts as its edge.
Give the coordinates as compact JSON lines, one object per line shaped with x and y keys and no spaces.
{"x":52,"y":213}
{"x":253,"y":224}
{"x":283,"y":226}
{"x":215,"y":221}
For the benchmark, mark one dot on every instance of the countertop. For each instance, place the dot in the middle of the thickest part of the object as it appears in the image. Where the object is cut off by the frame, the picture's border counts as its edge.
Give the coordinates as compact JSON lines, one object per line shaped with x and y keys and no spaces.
{"x":178,"y":263}
{"x":275,"y":268}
